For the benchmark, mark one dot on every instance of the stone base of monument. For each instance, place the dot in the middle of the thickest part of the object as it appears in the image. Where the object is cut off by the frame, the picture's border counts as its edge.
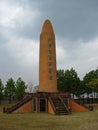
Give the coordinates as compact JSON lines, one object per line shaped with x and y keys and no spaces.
{"x":54,"y":103}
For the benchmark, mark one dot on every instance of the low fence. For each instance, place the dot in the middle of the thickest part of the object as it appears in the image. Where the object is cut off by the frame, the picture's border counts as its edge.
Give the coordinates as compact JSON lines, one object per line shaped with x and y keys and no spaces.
{"x":87,"y":100}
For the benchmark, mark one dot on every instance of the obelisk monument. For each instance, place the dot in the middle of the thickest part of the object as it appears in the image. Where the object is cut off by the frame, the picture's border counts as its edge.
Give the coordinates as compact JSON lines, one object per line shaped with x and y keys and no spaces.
{"x":47,"y":59}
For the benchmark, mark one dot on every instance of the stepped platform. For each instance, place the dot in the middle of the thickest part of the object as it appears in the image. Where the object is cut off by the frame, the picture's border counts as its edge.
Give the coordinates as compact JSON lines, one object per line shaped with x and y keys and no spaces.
{"x":54,"y":103}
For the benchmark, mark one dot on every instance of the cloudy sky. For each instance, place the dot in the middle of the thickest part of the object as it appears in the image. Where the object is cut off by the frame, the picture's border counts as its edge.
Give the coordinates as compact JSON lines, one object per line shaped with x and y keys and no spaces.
{"x":75,"y":24}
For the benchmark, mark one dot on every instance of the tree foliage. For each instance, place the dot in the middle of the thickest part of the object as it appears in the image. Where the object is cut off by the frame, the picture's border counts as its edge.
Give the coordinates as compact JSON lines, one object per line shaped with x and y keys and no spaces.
{"x":20,"y":88}
{"x":82,"y":88}
{"x":68,"y":80}
{"x":10,"y":89}
{"x":90,"y":75}
{"x":61,"y":83}
{"x":90,"y":80}
{"x":1,"y":89}
{"x":93,"y":85}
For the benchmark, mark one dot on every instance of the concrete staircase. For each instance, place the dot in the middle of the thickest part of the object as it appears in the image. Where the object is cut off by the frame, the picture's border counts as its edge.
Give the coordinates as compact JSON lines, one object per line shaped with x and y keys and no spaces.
{"x":59,"y":106}
{"x":17,"y":105}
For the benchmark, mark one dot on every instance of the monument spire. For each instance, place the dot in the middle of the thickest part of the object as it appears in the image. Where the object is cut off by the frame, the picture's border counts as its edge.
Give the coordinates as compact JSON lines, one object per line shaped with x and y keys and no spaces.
{"x":47,"y":27}
{"x":47,"y":59}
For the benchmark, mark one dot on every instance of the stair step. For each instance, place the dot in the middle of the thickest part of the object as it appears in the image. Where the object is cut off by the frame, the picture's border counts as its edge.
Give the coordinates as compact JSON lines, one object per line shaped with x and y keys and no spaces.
{"x":59,"y":106}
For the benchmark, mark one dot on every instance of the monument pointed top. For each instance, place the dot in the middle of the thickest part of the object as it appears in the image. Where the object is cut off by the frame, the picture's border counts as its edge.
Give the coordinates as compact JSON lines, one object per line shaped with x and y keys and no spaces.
{"x":47,"y":27}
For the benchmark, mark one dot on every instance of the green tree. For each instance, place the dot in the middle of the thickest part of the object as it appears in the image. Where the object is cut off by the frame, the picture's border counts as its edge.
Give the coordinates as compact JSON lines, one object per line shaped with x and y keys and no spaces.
{"x":61,"y":80}
{"x":88,"y":80}
{"x":20,"y":88}
{"x":68,"y":80}
{"x":82,"y":89}
{"x":93,"y":85}
{"x":72,"y":81}
{"x":10,"y":89}
{"x":1,"y":89}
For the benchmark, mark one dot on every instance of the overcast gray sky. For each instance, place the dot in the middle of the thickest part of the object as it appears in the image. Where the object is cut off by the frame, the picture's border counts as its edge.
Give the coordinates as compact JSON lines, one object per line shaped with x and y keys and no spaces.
{"x":75,"y":24}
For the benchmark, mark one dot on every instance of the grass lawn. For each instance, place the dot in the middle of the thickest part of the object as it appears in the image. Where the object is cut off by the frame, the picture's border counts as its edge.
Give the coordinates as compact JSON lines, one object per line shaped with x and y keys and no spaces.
{"x":44,"y":121}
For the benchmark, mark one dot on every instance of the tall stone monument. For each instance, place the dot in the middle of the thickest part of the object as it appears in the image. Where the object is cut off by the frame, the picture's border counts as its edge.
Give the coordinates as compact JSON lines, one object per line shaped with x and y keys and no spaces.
{"x":47,"y":99}
{"x":47,"y":59}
